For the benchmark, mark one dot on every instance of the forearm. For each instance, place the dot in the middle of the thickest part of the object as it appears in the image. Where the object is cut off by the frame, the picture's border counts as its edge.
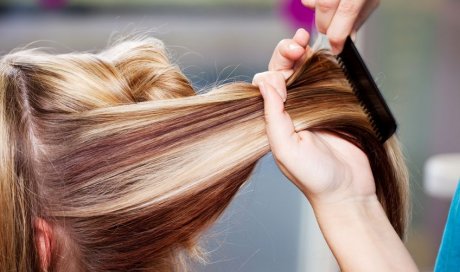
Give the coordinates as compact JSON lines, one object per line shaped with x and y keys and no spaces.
{"x":361,"y":237}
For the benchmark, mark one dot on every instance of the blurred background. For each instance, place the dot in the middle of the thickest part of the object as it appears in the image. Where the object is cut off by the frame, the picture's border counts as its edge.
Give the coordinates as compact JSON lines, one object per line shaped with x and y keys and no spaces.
{"x":410,"y":46}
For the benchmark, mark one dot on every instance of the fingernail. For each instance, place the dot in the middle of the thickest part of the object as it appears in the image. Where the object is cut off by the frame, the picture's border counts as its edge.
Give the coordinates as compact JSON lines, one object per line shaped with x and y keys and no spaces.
{"x":294,"y":47}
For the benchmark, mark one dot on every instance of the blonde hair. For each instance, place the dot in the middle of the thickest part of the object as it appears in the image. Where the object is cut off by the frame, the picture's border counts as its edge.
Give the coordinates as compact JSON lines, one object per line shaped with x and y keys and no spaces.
{"x":118,"y":151}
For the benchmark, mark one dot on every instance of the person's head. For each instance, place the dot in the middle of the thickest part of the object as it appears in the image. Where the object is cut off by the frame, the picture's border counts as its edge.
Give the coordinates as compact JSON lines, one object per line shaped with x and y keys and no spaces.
{"x":111,"y":162}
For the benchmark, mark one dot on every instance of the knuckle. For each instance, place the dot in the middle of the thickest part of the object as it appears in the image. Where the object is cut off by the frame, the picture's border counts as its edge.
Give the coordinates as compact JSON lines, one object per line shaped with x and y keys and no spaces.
{"x":273,"y":77}
{"x":256,"y":79}
{"x":265,"y":76}
{"x":283,"y":44}
{"x":259,"y":77}
{"x":326,"y":5}
{"x":348,"y":7}
{"x":335,"y":38}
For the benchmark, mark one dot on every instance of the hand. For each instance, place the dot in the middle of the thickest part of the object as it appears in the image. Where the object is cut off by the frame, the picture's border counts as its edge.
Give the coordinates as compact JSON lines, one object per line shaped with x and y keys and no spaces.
{"x":334,"y":174}
{"x":340,"y":18}
{"x":327,"y":169}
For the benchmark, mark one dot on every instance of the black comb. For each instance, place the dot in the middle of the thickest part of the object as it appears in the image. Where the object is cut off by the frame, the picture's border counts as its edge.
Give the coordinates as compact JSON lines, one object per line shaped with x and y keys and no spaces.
{"x":364,"y":87}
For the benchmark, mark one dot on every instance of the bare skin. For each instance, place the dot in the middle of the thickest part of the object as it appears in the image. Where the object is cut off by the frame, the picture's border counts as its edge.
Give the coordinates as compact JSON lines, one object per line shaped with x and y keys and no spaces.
{"x":339,"y":18}
{"x":332,"y":173}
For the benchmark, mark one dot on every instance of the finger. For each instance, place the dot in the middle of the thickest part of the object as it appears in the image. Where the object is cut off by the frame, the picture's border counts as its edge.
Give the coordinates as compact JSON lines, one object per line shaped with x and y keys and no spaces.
{"x":309,"y":3}
{"x":286,"y":53}
{"x":324,"y":12}
{"x":275,"y":79}
{"x":342,"y":23}
{"x":366,"y":11}
{"x":301,"y":37}
{"x":280,"y":129}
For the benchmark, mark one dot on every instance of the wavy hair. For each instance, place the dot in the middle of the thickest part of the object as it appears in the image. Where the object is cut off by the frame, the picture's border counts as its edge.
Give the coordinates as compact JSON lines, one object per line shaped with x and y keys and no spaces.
{"x":121,"y":155}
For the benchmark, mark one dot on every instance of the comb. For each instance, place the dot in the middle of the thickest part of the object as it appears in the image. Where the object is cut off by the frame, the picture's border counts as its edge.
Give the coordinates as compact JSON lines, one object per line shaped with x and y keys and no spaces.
{"x":367,"y":92}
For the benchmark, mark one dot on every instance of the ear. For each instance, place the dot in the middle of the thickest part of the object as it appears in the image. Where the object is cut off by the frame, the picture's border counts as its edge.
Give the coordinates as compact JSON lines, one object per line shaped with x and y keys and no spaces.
{"x":43,"y":241}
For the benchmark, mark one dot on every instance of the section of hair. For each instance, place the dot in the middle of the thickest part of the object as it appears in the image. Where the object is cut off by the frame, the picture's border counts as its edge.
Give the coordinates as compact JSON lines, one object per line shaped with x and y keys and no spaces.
{"x":118,"y":151}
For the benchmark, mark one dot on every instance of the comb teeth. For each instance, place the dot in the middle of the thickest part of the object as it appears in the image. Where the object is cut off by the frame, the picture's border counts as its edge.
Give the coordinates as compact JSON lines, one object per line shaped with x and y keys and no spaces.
{"x":367,"y":92}
{"x":361,"y":103}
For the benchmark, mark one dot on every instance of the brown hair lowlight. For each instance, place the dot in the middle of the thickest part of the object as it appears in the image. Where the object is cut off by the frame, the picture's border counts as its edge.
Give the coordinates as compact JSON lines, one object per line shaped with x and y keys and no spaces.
{"x":118,"y":152}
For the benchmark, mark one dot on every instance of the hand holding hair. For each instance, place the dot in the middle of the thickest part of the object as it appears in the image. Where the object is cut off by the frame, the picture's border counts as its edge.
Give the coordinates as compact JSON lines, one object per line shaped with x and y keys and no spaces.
{"x":326,"y":168}
{"x":334,"y":174}
{"x":340,"y":18}
{"x":112,"y":162}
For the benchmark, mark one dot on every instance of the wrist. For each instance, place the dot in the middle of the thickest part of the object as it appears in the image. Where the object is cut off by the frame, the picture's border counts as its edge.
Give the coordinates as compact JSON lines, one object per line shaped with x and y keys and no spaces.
{"x":357,"y":227}
{"x":356,"y":206}
{"x":344,"y":202}
{"x":359,"y":212}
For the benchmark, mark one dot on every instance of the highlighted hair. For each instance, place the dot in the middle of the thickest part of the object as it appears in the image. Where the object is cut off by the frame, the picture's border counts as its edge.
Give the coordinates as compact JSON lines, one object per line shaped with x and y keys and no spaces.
{"x":118,"y":152}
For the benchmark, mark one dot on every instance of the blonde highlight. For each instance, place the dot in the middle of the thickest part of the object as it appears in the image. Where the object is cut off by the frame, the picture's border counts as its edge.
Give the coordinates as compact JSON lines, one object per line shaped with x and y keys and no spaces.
{"x":118,"y":150}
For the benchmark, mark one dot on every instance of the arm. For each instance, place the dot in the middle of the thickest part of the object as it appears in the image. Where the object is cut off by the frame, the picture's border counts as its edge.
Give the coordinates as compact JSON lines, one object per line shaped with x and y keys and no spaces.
{"x":361,"y":237}
{"x":341,"y":188}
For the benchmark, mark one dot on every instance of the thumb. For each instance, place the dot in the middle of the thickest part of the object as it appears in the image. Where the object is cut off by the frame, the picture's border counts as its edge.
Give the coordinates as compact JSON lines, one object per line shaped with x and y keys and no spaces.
{"x":281,"y":133}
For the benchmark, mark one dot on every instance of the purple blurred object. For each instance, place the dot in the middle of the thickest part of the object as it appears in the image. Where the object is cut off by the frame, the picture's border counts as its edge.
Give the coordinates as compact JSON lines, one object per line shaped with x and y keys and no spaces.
{"x":297,"y":14}
{"x":52,"y":4}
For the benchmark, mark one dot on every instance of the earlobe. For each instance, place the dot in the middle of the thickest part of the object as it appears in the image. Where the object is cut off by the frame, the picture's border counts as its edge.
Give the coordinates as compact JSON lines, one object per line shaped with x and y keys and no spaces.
{"x":43,"y":241}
